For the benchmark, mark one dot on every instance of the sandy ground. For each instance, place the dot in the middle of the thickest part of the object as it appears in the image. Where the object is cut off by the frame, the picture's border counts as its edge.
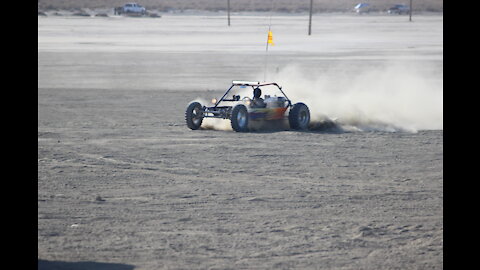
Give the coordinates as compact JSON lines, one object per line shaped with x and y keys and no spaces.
{"x":124,"y":184}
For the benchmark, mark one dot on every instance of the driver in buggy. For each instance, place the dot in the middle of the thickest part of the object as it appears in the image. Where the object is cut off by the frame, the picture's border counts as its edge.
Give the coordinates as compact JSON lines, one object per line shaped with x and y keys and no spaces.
{"x":257,"y":101}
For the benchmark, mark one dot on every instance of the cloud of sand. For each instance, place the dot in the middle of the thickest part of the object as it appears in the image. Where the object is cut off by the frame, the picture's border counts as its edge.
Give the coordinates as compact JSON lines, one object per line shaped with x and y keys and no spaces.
{"x":216,"y":124}
{"x":391,"y":97}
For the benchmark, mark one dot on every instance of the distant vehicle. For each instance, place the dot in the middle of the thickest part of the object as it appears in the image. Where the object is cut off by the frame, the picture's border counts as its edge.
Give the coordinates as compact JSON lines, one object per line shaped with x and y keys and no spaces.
{"x":399,"y":9}
{"x":130,"y":8}
{"x":362,"y":8}
{"x":240,"y":111}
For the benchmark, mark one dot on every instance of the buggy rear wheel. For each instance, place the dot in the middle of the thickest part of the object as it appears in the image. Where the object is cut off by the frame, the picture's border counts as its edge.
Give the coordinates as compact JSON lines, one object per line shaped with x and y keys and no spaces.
{"x":299,"y":116}
{"x":239,"y":119}
{"x":194,"y":115}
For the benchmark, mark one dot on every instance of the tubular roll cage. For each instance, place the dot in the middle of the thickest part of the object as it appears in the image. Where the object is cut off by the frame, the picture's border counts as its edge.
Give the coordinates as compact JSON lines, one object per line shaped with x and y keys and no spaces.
{"x":225,"y":111}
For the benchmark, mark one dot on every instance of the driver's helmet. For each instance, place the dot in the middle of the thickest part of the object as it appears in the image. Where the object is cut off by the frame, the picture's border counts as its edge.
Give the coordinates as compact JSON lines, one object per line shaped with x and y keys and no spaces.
{"x":257,"y":92}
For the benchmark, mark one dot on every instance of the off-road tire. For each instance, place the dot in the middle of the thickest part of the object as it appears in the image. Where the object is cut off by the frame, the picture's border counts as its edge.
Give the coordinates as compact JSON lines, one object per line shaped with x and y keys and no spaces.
{"x":194,"y":115}
{"x":239,"y":119}
{"x":299,"y":116}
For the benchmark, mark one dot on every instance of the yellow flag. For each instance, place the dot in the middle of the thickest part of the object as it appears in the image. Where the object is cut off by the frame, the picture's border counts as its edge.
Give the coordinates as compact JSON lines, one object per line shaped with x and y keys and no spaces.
{"x":270,"y":38}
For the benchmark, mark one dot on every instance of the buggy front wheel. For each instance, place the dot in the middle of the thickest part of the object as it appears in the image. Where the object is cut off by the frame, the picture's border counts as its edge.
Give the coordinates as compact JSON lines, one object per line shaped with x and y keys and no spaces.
{"x":239,"y":119}
{"x":194,"y":115}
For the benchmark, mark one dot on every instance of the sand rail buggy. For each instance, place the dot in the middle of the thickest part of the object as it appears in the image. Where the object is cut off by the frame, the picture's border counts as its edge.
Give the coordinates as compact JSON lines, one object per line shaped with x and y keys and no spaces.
{"x":237,"y":106}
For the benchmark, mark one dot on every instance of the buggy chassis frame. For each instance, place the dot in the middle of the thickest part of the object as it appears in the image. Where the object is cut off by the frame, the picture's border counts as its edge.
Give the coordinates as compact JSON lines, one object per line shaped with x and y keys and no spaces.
{"x":225,"y":112}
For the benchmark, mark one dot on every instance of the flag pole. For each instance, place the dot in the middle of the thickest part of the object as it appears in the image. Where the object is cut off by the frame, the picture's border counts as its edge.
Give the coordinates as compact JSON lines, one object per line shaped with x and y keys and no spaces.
{"x":410,"y":10}
{"x":269,"y":39}
{"x":310,"y":19}
{"x":228,"y":8}
{"x":266,"y":56}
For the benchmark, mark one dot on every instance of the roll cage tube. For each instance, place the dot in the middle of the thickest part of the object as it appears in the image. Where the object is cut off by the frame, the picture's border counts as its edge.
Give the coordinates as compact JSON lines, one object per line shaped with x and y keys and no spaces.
{"x":253,"y":85}
{"x":224,"y":95}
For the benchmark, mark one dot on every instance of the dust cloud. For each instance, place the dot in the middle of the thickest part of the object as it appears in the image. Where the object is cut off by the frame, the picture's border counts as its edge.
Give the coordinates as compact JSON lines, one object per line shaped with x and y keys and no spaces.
{"x":390,"y":97}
